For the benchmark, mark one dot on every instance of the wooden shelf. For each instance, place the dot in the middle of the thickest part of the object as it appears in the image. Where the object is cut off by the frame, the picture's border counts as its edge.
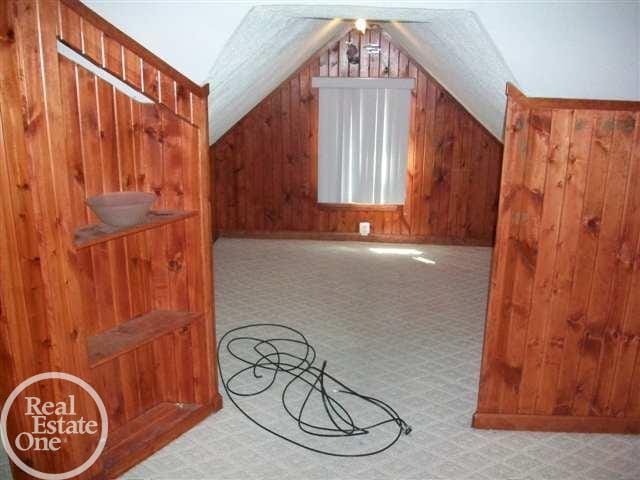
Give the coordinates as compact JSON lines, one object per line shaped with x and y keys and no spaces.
{"x":149,"y":432}
{"x":97,"y":233}
{"x":136,"y":332}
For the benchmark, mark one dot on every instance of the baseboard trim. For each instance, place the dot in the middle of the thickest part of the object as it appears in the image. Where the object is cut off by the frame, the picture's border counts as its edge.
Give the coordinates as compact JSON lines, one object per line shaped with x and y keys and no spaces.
{"x":354,"y":237}
{"x":555,"y":423}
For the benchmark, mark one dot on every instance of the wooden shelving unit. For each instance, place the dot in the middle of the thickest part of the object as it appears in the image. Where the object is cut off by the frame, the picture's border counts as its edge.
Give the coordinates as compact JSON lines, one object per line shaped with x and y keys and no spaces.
{"x":98,"y":233}
{"x":128,"y":310}
{"x":136,"y":332}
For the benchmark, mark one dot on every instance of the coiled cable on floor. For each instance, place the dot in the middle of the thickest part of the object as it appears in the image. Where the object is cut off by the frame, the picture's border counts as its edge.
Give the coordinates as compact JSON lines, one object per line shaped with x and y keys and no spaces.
{"x":263,"y":356}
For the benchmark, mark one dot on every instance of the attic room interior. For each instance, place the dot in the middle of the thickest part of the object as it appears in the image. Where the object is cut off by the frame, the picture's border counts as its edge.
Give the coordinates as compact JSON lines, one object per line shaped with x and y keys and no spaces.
{"x":377,"y":240}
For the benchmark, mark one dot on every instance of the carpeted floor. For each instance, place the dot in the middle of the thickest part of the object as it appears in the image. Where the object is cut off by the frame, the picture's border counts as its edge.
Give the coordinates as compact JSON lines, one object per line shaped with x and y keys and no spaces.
{"x":402,"y":323}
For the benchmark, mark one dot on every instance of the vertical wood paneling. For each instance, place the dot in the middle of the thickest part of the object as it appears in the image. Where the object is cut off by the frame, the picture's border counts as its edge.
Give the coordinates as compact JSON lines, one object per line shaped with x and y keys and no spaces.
{"x":70,"y":31}
{"x":91,"y":41}
{"x":150,"y":81}
{"x":77,"y":177}
{"x":30,"y":121}
{"x":91,"y":148}
{"x":492,"y":152}
{"x":533,"y":280}
{"x":19,"y":247}
{"x":276,"y":168}
{"x":112,"y":56}
{"x":128,"y":146}
{"x":173,"y":158}
{"x":103,"y":380}
{"x":568,"y":260}
{"x":182,"y":341}
{"x":571,"y":392}
{"x":183,"y":101}
{"x":166,"y":373}
{"x":617,"y":218}
{"x":502,"y":360}
{"x":167,"y":92}
{"x":132,"y":69}
{"x":128,"y":369}
{"x":64,"y":136}
{"x":455,"y":221}
{"x":548,"y":239}
{"x":286,"y":134}
{"x":305,"y":133}
{"x":156,"y":79}
{"x":146,"y":371}
{"x":621,"y":395}
{"x":561,"y":334}
{"x":426,"y":159}
{"x":452,"y":172}
{"x":480,"y":161}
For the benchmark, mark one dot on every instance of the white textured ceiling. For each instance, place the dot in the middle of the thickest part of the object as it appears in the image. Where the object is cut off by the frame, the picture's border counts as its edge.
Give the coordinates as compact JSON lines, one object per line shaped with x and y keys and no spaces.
{"x":272,"y":42}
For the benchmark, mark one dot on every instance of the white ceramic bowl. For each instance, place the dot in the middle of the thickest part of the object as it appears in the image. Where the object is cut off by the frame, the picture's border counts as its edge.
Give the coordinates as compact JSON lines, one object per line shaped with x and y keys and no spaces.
{"x":122,"y":209}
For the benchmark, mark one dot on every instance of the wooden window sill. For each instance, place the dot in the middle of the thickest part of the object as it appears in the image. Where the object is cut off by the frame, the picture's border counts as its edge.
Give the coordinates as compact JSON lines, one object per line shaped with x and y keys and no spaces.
{"x":360,"y":207}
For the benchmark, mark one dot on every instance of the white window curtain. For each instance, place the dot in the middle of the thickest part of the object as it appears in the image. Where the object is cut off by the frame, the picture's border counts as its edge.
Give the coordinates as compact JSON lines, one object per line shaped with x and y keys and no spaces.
{"x":363,"y":139}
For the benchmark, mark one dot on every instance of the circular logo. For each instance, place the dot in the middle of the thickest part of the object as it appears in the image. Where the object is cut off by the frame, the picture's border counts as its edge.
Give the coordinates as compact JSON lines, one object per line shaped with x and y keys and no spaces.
{"x":24,"y":443}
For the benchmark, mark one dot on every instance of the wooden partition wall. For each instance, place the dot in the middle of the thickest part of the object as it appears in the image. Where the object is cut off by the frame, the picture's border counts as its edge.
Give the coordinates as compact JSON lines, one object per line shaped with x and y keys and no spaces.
{"x":562,"y":340}
{"x":266,"y":165}
{"x":129,"y":311}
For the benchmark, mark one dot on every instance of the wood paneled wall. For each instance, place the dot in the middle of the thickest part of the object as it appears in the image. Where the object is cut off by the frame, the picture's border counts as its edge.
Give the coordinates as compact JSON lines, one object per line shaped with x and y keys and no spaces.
{"x":265,"y":166}
{"x":562,"y":341}
{"x":66,"y":135}
{"x":106,"y":46}
{"x":119,"y":144}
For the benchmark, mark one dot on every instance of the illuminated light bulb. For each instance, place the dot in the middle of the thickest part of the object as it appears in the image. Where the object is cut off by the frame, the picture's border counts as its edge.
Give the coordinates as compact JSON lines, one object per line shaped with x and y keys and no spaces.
{"x":361,"y":25}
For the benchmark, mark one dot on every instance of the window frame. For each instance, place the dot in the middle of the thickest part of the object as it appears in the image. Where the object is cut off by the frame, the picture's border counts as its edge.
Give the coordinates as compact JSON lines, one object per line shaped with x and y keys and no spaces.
{"x":409,"y":83}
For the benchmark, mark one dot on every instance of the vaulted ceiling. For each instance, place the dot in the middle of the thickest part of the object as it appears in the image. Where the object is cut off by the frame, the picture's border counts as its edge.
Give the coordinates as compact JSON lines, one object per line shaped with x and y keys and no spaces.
{"x":273,"y":41}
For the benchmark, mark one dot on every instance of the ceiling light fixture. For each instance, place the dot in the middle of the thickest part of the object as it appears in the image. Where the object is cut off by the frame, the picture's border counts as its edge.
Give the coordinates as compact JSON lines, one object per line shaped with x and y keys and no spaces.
{"x":361,"y":25}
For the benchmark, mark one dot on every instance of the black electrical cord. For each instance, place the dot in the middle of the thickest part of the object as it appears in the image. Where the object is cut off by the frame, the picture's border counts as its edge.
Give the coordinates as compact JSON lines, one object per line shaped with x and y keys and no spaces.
{"x":274,"y":359}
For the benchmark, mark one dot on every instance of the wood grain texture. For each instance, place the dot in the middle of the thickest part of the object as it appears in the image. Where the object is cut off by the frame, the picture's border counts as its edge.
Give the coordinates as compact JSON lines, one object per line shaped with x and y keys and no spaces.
{"x":107,"y":47}
{"x":561,"y":339}
{"x":75,"y":10}
{"x":124,"y":145}
{"x":573,"y":103}
{"x":65,"y":135}
{"x":134,"y":333}
{"x":266,"y":165}
{"x":556,"y":423}
{"x":100,"y":233}
{"x":157,"y":426}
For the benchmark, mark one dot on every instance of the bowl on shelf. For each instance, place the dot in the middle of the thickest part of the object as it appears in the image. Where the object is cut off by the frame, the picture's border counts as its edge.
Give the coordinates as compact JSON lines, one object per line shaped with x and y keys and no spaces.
{"x":122,"y":209}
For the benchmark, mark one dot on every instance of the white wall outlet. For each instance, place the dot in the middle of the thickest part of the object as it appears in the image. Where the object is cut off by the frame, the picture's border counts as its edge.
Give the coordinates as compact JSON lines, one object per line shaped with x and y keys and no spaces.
{"x":365,"y":228}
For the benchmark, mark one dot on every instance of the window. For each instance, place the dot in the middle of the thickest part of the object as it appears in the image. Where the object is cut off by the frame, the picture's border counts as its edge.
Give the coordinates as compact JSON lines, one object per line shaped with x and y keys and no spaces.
{"x":363,"y":139}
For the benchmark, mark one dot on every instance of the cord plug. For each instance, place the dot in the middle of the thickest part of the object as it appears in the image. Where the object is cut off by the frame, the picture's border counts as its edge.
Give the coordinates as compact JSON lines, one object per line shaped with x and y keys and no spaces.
{"x":405,"y":427}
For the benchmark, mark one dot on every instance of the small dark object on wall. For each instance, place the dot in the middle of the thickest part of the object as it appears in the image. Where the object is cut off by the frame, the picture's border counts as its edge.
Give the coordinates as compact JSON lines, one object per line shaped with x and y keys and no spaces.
{"x":353,"y":54}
